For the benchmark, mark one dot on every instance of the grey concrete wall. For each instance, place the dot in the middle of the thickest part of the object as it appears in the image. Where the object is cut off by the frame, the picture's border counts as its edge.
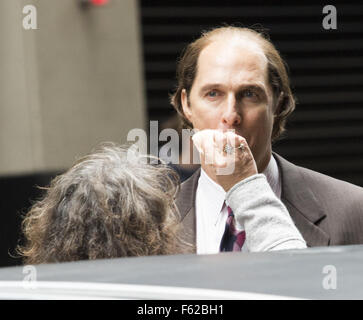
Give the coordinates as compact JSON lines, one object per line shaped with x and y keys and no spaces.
{"x":70,"y":84}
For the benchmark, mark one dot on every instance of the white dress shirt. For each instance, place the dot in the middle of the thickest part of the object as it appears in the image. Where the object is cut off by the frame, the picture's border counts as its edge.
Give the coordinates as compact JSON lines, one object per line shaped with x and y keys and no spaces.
{"x":211,"y":213}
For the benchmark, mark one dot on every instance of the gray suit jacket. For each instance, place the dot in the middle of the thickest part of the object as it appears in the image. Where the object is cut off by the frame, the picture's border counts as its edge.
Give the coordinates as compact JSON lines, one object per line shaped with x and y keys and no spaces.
{"x":325,"y":210}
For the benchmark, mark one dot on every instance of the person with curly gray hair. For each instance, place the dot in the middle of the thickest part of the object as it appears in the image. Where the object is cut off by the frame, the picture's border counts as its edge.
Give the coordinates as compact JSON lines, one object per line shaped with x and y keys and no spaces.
{"x":114,"y":203}
{"x":111,"y":203}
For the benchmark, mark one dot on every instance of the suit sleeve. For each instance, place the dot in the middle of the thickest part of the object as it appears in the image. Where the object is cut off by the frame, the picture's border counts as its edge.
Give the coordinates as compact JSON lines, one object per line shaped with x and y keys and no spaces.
{"x":263,"y":216}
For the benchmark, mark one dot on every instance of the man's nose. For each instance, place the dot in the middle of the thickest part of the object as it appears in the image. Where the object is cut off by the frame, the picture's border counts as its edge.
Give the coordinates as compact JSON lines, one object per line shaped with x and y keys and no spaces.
{"x":230,"y":116}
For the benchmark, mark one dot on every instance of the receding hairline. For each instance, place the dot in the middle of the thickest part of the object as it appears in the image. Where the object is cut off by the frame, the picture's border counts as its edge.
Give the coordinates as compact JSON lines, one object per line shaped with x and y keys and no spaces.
{"x":240,"y":40}
{"x":248,"y":36}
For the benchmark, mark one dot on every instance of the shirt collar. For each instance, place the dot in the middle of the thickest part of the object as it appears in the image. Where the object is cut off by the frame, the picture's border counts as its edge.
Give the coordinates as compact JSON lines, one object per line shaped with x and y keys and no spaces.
{"x":213,"y":193}
{"x":273,"y":176}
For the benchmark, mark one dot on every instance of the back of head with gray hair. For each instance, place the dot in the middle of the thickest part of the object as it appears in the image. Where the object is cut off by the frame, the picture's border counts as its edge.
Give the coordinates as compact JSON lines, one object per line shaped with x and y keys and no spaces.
{"x":111,"y":203}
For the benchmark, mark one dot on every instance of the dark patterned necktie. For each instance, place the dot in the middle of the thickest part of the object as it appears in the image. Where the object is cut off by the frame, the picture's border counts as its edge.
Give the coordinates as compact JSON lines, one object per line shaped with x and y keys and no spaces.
{"x":232,"y":239}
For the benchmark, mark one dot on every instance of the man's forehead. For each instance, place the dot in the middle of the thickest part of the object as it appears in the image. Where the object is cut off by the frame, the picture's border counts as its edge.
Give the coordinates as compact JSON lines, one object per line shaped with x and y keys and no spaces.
{"x":245,"y":52}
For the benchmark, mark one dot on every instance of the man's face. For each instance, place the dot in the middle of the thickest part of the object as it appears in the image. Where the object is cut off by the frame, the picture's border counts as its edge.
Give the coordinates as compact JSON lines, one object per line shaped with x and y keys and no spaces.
{"x":230,"y":91}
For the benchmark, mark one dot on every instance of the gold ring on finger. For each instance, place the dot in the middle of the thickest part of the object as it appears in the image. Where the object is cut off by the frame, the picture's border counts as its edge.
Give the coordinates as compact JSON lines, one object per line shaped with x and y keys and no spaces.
{"x":241,"y":146}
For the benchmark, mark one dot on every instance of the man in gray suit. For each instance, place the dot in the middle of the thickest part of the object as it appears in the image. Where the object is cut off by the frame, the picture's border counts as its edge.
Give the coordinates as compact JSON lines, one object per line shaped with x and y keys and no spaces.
{"x":234,"y":78}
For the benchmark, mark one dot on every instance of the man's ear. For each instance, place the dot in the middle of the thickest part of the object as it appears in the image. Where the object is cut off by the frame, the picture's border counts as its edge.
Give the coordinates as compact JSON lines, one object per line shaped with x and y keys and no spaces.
{"x":186,"y":108}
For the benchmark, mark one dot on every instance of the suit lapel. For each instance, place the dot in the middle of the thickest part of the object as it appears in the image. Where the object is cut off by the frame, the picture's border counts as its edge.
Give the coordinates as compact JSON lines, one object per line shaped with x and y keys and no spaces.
{"x":186,"y":205}
{"x":304,"y":208}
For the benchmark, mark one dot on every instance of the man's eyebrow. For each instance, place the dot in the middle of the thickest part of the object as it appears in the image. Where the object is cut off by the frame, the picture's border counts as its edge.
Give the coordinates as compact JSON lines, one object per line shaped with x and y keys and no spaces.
{"x":256,"y":86}
{"x":210,"y":86}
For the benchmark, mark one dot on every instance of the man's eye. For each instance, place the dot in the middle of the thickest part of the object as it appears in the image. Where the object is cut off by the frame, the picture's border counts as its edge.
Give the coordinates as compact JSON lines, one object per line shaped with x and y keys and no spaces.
{"x":212,"y":94}
{"x":249,"y":94}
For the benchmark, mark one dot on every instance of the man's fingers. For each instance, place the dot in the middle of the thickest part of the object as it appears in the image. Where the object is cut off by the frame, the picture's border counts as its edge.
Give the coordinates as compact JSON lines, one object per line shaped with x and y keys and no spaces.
{"x":212,"y":146}
{"x":220,"y":141}
{"x":232,"y":139}
{"x":208,"y":147}
{"x":246,"y":149}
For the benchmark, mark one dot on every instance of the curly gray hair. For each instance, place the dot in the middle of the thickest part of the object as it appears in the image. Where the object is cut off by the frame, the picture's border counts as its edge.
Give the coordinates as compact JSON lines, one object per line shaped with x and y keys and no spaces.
{"x":111,"y":203}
